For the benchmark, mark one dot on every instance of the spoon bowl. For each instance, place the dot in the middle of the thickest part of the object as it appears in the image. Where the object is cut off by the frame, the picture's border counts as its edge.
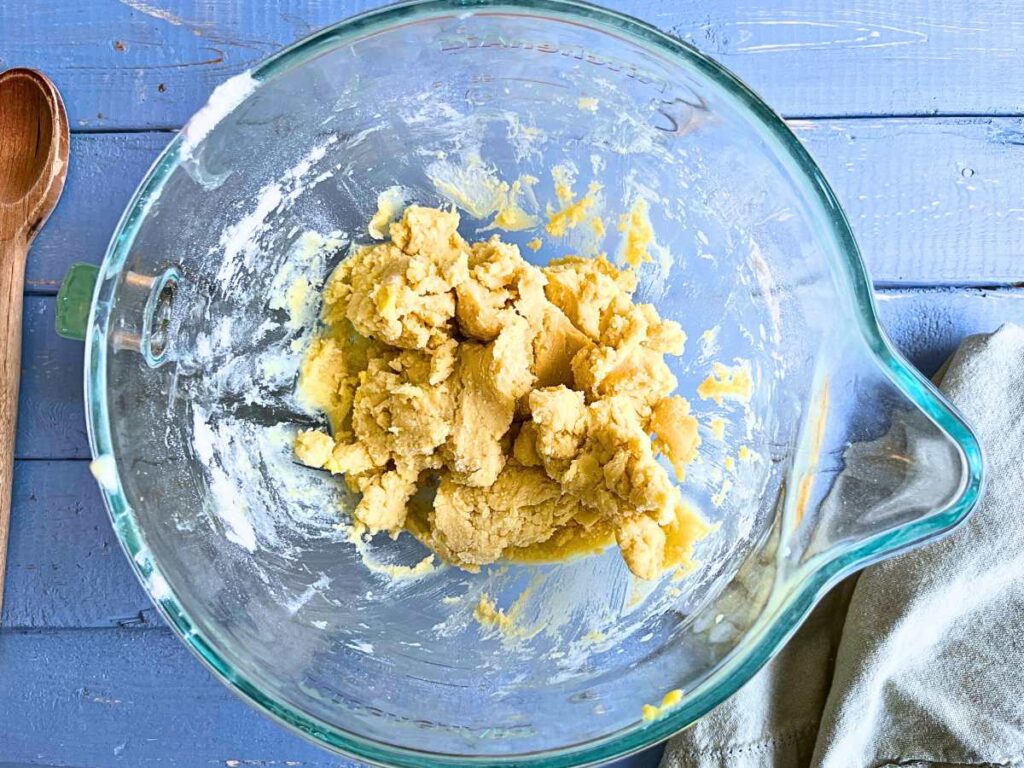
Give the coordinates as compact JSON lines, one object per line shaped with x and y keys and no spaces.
{"x":34,"y":144}
{"x":21,"y":168}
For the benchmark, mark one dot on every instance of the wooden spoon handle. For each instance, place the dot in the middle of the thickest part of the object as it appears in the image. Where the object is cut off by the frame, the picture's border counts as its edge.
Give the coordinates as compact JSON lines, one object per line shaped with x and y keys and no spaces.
{"x":12,"y":280}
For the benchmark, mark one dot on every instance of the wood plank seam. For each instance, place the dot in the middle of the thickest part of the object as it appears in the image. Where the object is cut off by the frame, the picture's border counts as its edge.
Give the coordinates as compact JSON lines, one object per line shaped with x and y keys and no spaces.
{"x":808,"y":118}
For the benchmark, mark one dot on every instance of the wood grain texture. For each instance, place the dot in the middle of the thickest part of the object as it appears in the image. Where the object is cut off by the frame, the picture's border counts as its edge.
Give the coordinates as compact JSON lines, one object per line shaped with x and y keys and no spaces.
{"x":130,"y":64}
{"x":12,"y":277}
{"x":861,"y":57}
{"x":931,"y":201}
{"x":34,"y":145}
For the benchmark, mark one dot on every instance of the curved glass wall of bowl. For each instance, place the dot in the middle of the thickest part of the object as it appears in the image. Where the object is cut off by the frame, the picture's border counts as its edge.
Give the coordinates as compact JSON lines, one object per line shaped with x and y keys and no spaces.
{"x":250,"y":553}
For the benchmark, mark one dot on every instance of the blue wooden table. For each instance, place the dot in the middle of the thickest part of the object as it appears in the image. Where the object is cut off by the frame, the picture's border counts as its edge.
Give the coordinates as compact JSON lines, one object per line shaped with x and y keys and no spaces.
{"x":914,"y":111}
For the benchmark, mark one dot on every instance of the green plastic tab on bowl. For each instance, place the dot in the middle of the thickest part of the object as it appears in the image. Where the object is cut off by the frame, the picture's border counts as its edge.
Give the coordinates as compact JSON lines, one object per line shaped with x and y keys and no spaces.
{"x":74,"y":300}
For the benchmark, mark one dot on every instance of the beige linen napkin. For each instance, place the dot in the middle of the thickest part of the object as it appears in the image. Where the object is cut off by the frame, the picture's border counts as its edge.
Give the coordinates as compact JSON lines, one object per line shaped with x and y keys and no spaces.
{"x":919,"y":661}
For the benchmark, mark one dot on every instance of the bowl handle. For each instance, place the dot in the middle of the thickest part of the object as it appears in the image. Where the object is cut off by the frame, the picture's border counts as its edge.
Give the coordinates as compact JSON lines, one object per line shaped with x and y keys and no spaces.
{"x":883,"y":463}
{"x":74,"y":299}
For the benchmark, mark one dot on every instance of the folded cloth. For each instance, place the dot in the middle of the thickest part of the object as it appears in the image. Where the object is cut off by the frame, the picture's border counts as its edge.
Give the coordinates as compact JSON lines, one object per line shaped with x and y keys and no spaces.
{"x":919,"y":661}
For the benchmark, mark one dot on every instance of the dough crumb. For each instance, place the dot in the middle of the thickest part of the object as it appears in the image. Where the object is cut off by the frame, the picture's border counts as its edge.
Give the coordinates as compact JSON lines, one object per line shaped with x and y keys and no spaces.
{"x":512,"y":215}
{"x":572,"y":212}
{"x":718,"y":499}
{"x":638,"y":234}
{"x":313,"y":448}
{"x":389,"y":203}
{"x":531,"y":411}
{"x":488,"y":614}
{"x":717,"y":427}
{"x":676,"y":430}
{"x":671,"y":700}
{"x":727,"y":383}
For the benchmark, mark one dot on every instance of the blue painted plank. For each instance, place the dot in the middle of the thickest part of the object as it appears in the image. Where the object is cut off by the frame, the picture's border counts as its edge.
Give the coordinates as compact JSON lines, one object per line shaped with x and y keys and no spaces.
{"x":113,"y":698}
{"x":65,"y":569}
{"x":133,"y":696}
{"x":116,"y":698}
{"x":931,"y":201}
{"x":151,"y":63}
{"x":861,"y":57}
{"x":51,"y":417}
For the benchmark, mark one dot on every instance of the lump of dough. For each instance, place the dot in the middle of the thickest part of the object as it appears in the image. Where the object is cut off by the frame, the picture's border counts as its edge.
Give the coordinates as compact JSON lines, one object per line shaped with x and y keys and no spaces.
{"x":602,"y":453}
{"x":559,"y":423}
{"x":642,"y":543}
{"x":617,"y":471}
{"x":584,"y":288}
{"x":650,"y":549}
{"x":385,"y":500}
{"x":483,"y":414}
{"x":677,"y":435}
{"x":630,"y":356}
{"x":499,"y":286}
{"x":537,"y":399}
{"x":625,"y":326}
{"x":555,"y":345}
{"x":327,"y":380}
{"x":313,"y":448}
{"x":641,"y":375}
{"x":397,"y":415}
{"x":472,"y":526}
{"x":524,"y":448}
{"x":399,"y":420}
{"x":432,"y":233}
{"x":512,"y":359}
{"x":401,"y":292}
{"x":351,"y":460}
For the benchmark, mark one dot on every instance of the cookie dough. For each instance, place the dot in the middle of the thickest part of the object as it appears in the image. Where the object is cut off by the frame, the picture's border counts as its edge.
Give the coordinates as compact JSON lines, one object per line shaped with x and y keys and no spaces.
{"x":531,"y":403}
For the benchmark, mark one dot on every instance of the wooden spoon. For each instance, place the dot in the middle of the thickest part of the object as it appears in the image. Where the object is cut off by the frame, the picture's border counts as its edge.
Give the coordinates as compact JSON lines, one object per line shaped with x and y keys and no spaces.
{"x":34,"y":144}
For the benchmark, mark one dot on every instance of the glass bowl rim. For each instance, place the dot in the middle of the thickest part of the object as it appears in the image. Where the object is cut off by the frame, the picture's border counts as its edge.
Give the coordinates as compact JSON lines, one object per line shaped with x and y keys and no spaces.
{"x":802,"y":594}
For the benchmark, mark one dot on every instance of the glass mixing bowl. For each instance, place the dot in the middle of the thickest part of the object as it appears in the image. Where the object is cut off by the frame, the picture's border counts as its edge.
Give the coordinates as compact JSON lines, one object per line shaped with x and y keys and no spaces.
{"x":207,"y":297}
